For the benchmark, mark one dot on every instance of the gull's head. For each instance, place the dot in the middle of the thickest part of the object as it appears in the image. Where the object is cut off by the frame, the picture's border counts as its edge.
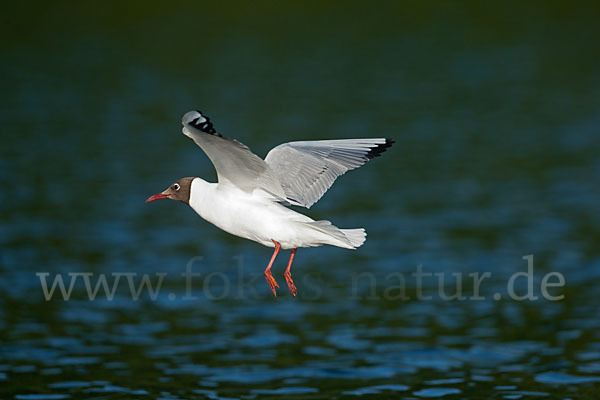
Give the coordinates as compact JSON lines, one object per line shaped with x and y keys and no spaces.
{"x":179,"y":190}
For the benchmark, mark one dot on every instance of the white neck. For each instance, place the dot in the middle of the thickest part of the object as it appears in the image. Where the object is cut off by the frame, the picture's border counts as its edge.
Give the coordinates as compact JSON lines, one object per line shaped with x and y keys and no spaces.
{"x":200,"y":192}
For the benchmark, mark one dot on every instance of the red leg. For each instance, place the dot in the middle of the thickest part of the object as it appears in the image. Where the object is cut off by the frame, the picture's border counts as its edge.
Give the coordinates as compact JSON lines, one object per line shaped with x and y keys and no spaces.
{"x":288,"y":274}
{"x":270,"y":280}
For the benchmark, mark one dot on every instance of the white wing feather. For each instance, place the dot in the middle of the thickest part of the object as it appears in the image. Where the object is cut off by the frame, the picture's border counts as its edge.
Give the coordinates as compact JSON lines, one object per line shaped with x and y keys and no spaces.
{"x":306,"y":170}
{"x":234,"y":162}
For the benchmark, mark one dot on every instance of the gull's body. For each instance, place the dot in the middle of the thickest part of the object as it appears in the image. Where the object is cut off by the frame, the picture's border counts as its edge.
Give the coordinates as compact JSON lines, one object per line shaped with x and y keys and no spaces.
{"x":255,"y":216}
{"x":251,"y":198}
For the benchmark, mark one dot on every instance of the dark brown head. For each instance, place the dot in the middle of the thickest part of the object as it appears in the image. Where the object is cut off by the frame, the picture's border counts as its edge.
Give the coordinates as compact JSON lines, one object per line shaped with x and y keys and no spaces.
{"x":179,"y":190}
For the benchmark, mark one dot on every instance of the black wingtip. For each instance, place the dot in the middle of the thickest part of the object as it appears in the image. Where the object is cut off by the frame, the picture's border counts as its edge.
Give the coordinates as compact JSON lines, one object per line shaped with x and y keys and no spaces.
{"x":202,"y":122}
{"x":380,"y":148}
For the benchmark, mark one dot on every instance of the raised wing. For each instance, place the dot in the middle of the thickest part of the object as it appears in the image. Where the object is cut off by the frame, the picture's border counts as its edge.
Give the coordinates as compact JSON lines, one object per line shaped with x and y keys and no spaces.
{"x":234,"y":162}
{"x":307,"y":169}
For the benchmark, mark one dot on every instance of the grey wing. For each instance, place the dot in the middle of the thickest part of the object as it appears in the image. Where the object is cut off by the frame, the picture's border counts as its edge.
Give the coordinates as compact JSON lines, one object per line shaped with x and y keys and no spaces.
{"x":306,"y":170}
{"x":234,"y":162}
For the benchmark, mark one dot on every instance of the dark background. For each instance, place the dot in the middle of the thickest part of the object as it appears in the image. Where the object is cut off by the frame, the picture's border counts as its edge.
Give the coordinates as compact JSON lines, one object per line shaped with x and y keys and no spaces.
{"x":495,"y":112}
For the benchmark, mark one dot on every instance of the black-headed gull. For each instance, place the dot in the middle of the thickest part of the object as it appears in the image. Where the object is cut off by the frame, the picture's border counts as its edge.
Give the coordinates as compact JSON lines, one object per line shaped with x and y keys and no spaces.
{"x":251,"y":196}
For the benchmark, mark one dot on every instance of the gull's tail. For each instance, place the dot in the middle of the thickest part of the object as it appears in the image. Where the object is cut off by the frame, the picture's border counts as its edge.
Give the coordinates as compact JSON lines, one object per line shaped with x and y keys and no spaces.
{"x":346,"y":238}
{"x":356,"y":236}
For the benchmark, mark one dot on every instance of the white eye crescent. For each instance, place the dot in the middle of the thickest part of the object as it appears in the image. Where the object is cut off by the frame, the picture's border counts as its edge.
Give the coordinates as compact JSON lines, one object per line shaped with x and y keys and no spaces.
{"x":176,"y":187}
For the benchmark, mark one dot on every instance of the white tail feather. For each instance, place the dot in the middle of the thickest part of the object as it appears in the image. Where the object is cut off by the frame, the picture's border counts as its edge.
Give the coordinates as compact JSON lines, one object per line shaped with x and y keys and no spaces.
{"x":356,"y":236}
{"x":347,"y":238}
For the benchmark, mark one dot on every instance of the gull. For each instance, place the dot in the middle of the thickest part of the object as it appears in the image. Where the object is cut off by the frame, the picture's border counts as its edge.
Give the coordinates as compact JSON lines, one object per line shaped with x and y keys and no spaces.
{"x":252,"y":197}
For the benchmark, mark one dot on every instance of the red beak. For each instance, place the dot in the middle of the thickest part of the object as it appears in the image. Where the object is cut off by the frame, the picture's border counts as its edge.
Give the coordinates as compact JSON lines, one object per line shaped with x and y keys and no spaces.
{"x":157,"y":196}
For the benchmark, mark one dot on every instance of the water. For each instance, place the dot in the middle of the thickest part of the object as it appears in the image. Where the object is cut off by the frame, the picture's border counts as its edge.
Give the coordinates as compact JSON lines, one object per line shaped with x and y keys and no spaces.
{"x":495,"y":116}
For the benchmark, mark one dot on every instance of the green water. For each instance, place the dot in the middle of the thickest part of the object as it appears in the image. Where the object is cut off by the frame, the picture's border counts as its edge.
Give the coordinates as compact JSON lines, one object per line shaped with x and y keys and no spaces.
{"x":495,"y":112}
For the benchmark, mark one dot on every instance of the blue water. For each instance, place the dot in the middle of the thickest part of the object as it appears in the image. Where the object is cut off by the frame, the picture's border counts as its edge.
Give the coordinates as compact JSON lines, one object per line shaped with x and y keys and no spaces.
{"x":495,"y":116}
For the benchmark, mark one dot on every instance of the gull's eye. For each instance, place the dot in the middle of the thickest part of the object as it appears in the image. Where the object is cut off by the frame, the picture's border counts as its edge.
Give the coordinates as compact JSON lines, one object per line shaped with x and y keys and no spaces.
{"x":176,"y":187}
